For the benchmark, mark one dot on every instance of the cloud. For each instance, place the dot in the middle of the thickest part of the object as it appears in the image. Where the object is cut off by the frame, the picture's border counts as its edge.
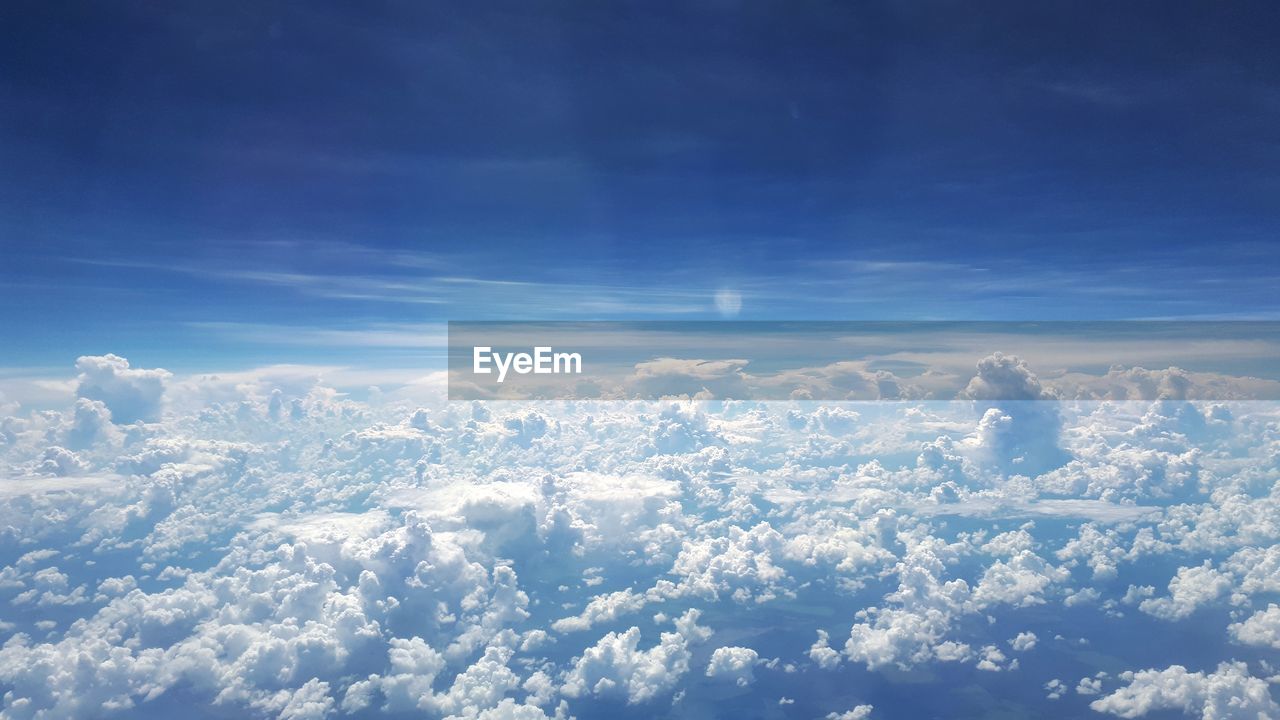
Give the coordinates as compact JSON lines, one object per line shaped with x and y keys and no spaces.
{"x":309,"y":702}
{"x":913,"y":633}
{"x":1023,"y":642}
{"x":1089,"y":686}
{"x":1227,"y":693}
{"x":1021,"y":581}
{"x":602,"y":608}
{"x":1004,"y":377}
{"x":733,"y":663}
{"x":616,"y":666}
{"x":1262,"y":628}
{"x":131,"y":394}
{"x":90,"y":423}
{"x":274,"y":546}
{"x":822,"y":654}
{"x":740,"y":565}
{"x":992,"y":659}
{"x":1188,"y":590}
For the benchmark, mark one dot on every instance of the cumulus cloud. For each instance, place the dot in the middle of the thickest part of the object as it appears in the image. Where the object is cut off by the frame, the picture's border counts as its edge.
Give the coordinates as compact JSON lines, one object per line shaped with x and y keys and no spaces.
{"x":131,"y":394}
{"x":1020,"y":428}
{"x":1020,"y":581}
{"x":733,"y":663}
{"x":602,"y":608}
{"x":1004,"y":377}
{"x":1089,"y":686}
{"x":822,"y":653}
{"x":1023,"y":642}
{"x":1188,"y":590}
{"x":1227,"y":693}
{"x":1262,"y":628}
{"x":616,"y":665}
{"x":913,"y":632}
{"x":994,"y":660}
{"x":278,"y":547}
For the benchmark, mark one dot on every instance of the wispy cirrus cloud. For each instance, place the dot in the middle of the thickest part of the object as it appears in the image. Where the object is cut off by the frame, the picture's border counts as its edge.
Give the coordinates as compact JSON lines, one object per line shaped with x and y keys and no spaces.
{"x":391,"y":283}
{"x":379,"y":335}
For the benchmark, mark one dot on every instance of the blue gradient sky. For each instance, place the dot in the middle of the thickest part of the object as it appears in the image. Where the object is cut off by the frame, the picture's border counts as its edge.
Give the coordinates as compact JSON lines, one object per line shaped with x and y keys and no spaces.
{"x":207,"y":186}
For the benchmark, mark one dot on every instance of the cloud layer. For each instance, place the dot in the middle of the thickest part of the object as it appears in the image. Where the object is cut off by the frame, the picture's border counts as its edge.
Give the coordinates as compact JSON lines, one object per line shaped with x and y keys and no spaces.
{"x":262,"y":545}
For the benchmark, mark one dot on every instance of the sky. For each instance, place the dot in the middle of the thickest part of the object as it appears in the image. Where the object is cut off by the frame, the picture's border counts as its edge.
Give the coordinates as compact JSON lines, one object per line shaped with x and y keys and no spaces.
{"x":233,"y":482}
{"x":201,"y":186}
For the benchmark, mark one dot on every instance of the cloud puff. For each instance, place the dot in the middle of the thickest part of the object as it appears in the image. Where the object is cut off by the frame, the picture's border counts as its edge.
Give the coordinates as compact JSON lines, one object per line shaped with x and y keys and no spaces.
{"x":602,"y":608}
{"x":733,"y":663}
{"x":1227,"y":693}
{"x":131,"y":394}
{"x":1188,"y":590}
{"x":822,"y":653}
{"x":1021,"y":581}
{"x":994,"y":660}
{"x":1262,"y":628}
{"x":1023,"y":642}
{"x":1089,"y":686}
{"x":1004,"y":377}
{"x":914,"y":632}
{"x":616,"y":666}
{"x":741,"y":565}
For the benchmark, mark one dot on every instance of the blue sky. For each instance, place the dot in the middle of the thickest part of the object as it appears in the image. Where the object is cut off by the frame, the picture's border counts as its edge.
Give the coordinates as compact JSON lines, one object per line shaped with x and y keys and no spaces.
{"x":208,"y":187}
{"x":281,"y":205}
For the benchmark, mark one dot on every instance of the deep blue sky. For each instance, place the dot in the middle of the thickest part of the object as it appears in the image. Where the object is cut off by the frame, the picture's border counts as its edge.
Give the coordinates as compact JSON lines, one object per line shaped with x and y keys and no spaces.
{"x":211,"y":184}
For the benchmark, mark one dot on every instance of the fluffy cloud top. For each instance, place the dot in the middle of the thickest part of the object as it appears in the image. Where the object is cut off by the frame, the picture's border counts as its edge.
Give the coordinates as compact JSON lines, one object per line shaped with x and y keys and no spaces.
{"x":265,"y":545}
{"x":1262,"y":628}
{"x":131,"y":394}
{"x":617,"y":666}
{"x":733,"y":663}
{"x":1227,"y":693}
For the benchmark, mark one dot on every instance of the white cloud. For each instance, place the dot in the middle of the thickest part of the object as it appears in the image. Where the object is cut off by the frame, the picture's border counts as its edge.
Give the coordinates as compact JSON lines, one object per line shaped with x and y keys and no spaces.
{"x":740,"y":565}
{"x":1262,"y":628}
{"x":1023,"y":642}
{"x":1188,"y":590}
{"x":1004,"y":377}
{"x":994,"y":660}
{"x":616,"y":666}
{"x":822,"y":654}
{"x":1227,"y":693}
{"x":131,"y":394}
{"x":1089,"y":686}
{"x":1021,"y":581}
{"x":278,"y":547}
{"x":602,"y":608}
{"x":733,"y":663}
{"x":309,"y":702}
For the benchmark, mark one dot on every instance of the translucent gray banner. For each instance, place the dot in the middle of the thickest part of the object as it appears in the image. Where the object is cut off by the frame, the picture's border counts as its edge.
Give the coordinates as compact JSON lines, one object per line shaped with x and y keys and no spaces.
{"x":858,"y":360}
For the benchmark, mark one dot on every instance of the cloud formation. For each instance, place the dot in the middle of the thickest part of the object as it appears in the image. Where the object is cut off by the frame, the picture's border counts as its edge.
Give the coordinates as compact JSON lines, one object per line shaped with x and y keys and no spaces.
{"x":267,"y":546}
